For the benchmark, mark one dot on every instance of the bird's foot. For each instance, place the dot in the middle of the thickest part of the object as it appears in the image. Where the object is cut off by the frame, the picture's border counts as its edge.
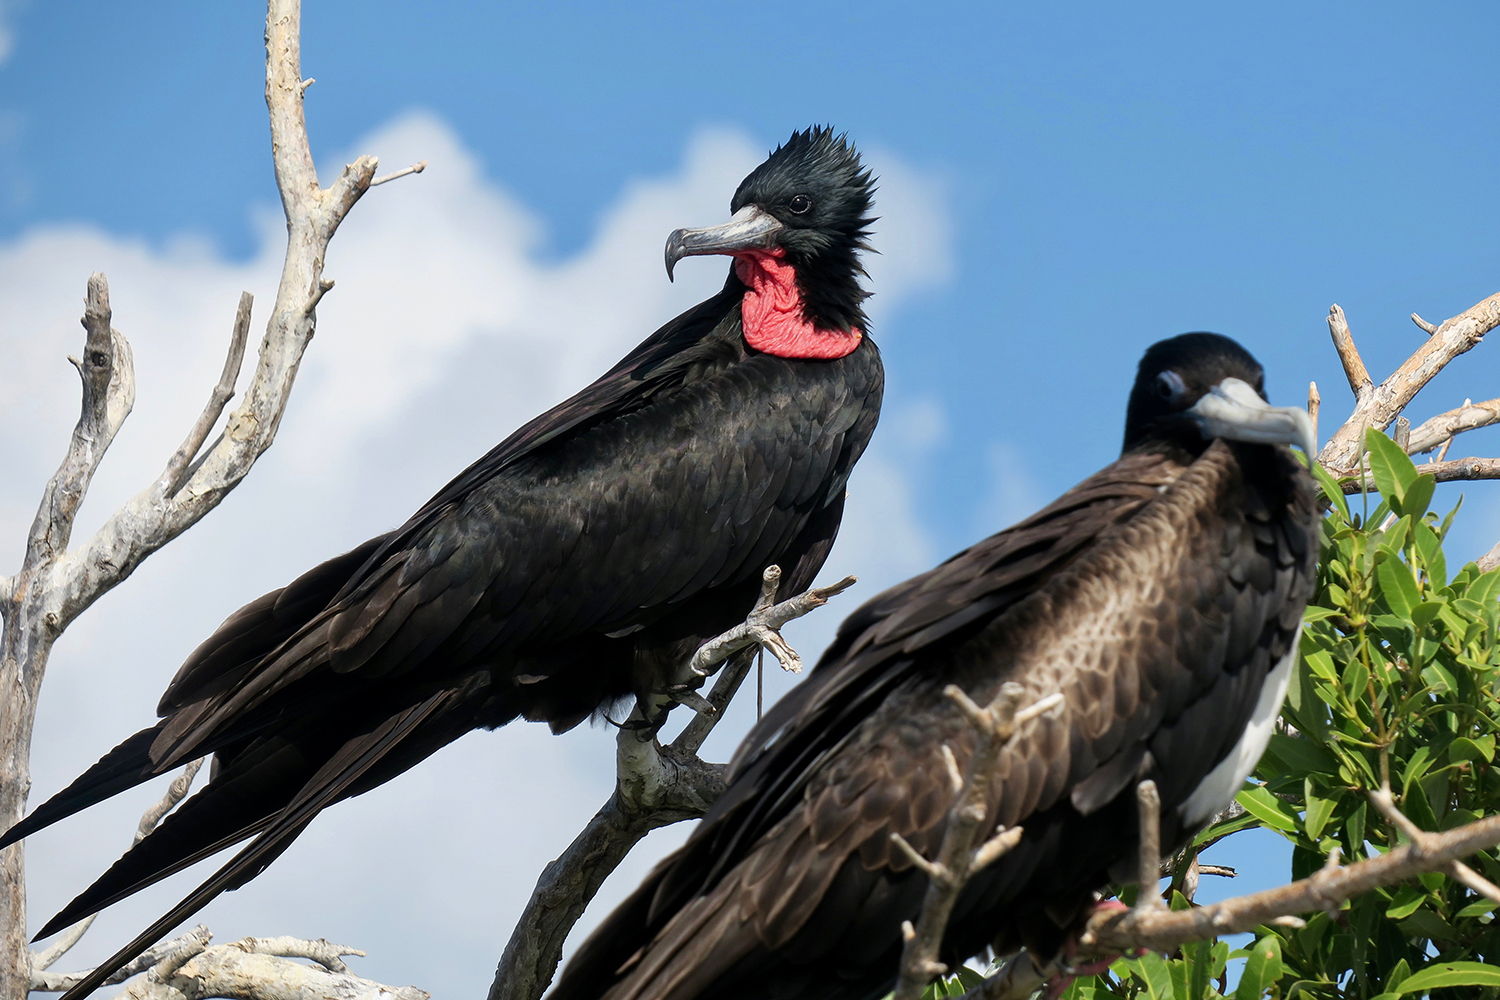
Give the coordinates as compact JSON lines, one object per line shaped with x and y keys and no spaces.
{"x":1074,"y":963}
{"x":687,"y":694}
{"x":763,"y":625}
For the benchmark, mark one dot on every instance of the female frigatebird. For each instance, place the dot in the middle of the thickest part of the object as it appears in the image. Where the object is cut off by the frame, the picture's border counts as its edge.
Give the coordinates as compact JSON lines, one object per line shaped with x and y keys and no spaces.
{"x":1161,"y":597}
{"x":575,"y":565}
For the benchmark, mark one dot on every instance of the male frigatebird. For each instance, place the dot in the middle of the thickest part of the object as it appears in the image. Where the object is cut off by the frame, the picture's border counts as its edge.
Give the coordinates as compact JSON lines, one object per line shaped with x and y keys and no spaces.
{"x":575,"y":565}
{"x":1161,"y":597}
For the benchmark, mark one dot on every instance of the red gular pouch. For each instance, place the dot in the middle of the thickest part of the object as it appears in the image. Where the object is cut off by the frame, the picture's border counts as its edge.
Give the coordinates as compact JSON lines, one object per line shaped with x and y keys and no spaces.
{"x":772,"y":313}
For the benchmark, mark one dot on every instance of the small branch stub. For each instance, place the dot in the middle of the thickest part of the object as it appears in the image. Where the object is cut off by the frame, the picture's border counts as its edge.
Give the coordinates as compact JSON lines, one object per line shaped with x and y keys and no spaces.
{"x":415,"y":168}
{"x":958,"y":857}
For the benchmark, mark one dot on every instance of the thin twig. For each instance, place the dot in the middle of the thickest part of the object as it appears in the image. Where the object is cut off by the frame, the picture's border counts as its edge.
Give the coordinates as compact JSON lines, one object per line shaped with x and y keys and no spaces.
{"x":655,"y":786}
{"x":1422,"y":843}
{"x":44,"y":959}
{"x":1164,"y":930}
{"x":1378,"y":406}
{"x":176,"y":471}
{"x":958,"y":856}
{"x":1343,"y":342}
{"x":1148,"y":806}
{"x":1454,"y":471}
{"x":1442,"y":428}
{"x":415,"y":168}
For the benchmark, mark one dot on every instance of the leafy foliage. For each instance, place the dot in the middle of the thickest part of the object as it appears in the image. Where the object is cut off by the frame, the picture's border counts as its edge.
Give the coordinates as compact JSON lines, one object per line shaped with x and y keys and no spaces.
{"x":1397,"y":681}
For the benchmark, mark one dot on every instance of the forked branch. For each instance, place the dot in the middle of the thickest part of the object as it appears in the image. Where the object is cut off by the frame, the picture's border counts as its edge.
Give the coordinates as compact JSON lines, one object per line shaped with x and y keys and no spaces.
{"x":57,"y":580}
{"x":1118,"y":930}
{"x":655,"y":786}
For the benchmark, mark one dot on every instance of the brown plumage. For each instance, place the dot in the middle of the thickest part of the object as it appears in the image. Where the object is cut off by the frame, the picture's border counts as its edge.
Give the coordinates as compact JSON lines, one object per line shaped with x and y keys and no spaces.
{"x":1157,"y":596}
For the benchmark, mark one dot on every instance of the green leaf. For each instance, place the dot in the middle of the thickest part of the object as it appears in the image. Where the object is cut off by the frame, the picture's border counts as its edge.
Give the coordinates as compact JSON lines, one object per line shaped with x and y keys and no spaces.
{"x":1224,"y":829}
{"x":1319,"y":810}
{"x":968,"y":978}
{"x":1268,"y":809}
{"x":1398,"y":975}
{"x":1201,"y":955}
{"x":1398,"y":586}
{"x":1465,"y":749}
{"x":1390,"y":467}
{"x":1302,"y":755}
{"x":1478,"y":909}
{"x":1416,"y":767}
{"x":1418,"y":495}
{"x":1321,"y":665}
{"x":1450,"y":974}
{"x":1440,"y":678}
{"x":1408,"y":899}
{"x":1262,"y":969}
{"x":1151,"y":969}
{"x":1431,"y":551}
{"x":1332,"y":490}
{"x":1485,"y":589}
{"x":1426,"y":923}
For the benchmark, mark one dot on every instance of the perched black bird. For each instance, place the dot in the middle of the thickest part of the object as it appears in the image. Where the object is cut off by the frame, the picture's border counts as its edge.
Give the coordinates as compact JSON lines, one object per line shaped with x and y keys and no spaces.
{"x":1162,"y":597}
{"x":575,"y":565}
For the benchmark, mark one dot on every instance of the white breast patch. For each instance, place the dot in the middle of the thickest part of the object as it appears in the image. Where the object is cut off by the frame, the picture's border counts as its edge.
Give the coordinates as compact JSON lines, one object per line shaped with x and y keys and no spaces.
{"x":1218,"y":788}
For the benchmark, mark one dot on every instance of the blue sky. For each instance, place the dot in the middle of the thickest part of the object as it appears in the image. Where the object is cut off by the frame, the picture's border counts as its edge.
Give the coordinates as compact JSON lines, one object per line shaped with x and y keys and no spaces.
{"x":1064,"y":184}
{"x":1116,"y":173}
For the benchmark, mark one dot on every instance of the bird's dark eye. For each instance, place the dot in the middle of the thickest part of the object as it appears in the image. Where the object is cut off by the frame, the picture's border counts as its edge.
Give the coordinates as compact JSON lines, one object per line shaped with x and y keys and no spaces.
{"x":800,"y":204}
{"x":1170,"y":387}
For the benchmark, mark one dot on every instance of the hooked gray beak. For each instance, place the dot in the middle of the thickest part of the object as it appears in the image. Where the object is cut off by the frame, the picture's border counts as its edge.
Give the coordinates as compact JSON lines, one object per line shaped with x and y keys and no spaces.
{"x":751,"y":228}
{"x":1235,"y":411}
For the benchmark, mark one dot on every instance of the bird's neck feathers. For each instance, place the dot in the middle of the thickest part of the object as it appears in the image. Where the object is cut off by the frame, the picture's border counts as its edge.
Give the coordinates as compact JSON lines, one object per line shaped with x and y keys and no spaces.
{"x":773,"y":315}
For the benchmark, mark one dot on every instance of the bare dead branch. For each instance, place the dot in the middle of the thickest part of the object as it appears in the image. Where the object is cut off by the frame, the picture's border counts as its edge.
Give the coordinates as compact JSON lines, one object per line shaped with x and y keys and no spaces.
{"x":261,"y":969}
{"x":1457,"y":470}
{"x":176,"y":472}
{"x":1379,"y":405}
{"x":1490,"y":559}
{"x":1422,"y":842}
{"x":1343,"y":342}
{"x":183,"y":946}
{"x":1148,"y":807}
{"x":959,"y":857}
{"x":415,"y":168}
{"x":1444,"y":427}
{"x":176,"y":791}
{"x":1168,"y":929}
{"x":1314,"y":401}
{"x":1423,"y":324}
{"x":57,"y":581}
{"x":655,"y":786}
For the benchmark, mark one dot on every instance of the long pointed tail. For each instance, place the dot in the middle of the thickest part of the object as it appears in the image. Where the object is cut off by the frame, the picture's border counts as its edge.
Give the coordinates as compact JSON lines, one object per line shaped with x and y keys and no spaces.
{"x":126,"y":766}
{"x":205,"y":829}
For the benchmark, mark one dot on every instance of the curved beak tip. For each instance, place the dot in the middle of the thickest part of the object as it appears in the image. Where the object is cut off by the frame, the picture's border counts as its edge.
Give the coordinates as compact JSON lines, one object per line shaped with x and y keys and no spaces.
{"x":675,"y":251}
{"x":1234,"y":410}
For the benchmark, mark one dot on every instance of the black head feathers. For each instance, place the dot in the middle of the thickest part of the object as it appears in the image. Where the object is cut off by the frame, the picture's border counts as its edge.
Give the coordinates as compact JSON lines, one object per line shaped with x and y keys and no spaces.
{"x":1196,"y":387}
{"x":816,"y":186}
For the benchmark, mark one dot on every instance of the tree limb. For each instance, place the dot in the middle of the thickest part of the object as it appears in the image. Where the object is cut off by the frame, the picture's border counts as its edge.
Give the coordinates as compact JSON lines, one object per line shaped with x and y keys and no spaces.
{"x":56,"y":582}
{"x":1378,"y":405}
{"x":1444,"y":427}
{"x":655,"y":786}
{"x":1119,"y":931}
{"x":958,"y":855}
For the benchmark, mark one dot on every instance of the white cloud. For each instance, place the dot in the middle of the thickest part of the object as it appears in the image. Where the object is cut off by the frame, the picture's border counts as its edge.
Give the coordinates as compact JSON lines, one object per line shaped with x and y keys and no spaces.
{"x":445,"y":331}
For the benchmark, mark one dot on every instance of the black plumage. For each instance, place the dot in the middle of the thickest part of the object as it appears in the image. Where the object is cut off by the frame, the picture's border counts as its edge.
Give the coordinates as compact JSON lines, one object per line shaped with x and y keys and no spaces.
{"x":1161,"y":597}
{"x":575,"y":565}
